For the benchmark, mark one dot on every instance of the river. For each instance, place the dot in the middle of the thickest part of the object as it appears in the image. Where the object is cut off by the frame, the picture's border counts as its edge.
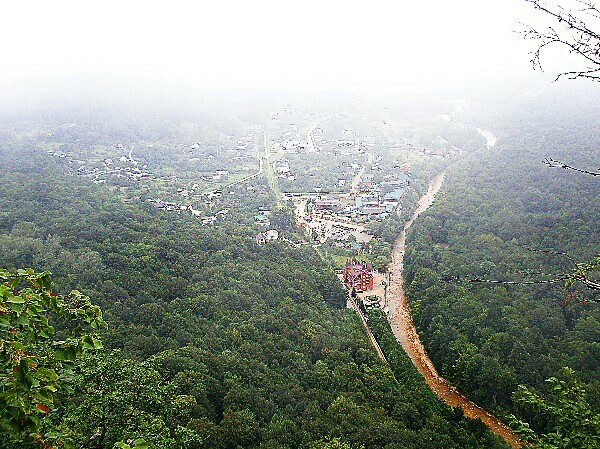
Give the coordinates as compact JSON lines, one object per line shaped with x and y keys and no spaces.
{"x":404,"y":330}
{"x":490,"y":138}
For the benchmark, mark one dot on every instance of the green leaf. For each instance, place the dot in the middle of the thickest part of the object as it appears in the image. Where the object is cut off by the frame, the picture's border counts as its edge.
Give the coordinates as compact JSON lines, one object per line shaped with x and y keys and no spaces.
{"x":22,"y":319}
{"x":45,"y":280}
{"x":87,"y":342}
{"x":97,"y":344}
{"x":140,"y":443}
{"x":67,"y":353}
{"x":16,"y":307}
{"x":47,"y":374}
{"x":16,"y":345}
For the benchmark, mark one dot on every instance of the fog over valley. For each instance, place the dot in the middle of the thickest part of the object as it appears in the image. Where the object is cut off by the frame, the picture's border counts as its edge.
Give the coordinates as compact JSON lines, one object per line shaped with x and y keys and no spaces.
{"x":322,"y":225}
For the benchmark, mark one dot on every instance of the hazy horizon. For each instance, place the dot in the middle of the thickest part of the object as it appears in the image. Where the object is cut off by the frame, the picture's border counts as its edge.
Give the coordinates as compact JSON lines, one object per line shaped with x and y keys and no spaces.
{"x":267,"y":45}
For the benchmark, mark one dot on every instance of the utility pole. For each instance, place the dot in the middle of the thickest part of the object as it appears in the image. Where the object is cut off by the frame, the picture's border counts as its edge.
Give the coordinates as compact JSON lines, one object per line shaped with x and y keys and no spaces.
{"x":385,"y":287}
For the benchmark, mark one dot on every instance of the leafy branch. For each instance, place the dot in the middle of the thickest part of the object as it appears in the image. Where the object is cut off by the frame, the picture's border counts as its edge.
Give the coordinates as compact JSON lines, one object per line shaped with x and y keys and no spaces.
{"x":33,"y":366}
{"x":571,"y":421}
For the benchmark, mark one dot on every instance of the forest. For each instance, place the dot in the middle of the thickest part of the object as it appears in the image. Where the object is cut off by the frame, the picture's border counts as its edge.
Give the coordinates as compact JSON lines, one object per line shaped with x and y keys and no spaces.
{"x":504,"y":216}
{"x":271,"y":225}
{"x":213,"y":341}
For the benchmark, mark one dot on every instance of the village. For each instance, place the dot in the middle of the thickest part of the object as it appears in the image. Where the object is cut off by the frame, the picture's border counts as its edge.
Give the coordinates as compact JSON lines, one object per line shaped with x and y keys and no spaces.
{"x":340,"y":179}
{"x":339,"y":176}
{"x":337,"y":216}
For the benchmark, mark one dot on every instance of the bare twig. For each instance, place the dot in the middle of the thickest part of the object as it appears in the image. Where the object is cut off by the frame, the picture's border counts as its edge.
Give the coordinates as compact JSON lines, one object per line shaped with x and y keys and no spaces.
{"x":592,"y":285}
{"x":573,"y":32}
{"x":579,"y":273}
{"x":554,"y":163}
{"x":536,"y":281}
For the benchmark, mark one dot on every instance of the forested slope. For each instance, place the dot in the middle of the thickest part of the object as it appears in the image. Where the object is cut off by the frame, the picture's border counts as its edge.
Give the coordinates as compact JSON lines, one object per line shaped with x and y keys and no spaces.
{"x":213,"y":341}
{"x":495,"y":210}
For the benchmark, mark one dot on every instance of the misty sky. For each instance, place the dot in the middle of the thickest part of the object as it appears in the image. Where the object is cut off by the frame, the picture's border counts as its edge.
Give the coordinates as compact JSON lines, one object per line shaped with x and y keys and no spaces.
{"x":268,"y":43}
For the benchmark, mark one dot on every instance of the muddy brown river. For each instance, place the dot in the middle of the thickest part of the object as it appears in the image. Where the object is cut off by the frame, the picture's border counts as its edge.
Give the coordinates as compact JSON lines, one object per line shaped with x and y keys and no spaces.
{"x":404,"y":330}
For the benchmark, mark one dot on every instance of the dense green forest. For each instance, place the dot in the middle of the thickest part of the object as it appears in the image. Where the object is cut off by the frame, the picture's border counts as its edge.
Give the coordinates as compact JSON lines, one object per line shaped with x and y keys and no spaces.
{"x":213,"y":341}
{"x":496,"y":210}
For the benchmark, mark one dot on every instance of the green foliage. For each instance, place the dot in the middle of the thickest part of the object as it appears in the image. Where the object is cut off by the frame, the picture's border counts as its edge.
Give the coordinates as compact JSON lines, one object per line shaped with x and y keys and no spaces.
{"x":427,"y":413}
{"x":114,"y":399}
{"x":214,"y":341}
{"x":334,"y":443}
{"x":569,"y":422}
{"x":138,"y":443}
{"x":36,"y":360}
{"x":494,"y":208}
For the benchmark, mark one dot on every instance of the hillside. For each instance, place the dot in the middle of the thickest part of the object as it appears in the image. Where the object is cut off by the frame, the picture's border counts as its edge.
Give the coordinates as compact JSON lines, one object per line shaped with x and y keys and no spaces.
{"x":497,"y":209}
{"x":213,"y":340}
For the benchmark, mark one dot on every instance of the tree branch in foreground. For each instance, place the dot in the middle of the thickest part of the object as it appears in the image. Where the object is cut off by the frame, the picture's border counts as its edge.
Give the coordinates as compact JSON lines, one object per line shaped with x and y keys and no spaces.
{"x":554,"y":163}
{"x":573,"y":31}
{"x":579,"y":274}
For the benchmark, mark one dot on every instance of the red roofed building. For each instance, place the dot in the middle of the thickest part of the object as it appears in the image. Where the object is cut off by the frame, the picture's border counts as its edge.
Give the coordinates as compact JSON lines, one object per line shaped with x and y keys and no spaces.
{"x":358,"y":275}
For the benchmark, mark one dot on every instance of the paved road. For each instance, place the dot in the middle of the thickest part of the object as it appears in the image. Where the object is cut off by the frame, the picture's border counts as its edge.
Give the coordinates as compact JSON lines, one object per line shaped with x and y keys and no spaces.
{"x":490,"y":138}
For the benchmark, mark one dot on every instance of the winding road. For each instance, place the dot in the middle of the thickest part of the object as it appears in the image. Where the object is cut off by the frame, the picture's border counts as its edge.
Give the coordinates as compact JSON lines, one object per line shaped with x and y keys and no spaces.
{"x":404,"y":330}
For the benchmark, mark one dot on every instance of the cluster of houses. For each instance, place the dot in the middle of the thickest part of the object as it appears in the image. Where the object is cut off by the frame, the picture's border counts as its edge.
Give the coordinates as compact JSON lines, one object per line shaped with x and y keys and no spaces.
{"x":101,"y":174}
{"x":370,"y":200}
{"x":379,"y":199}
{"x":174,"y":207}
{"x":216,"y":176}
{"x":244,"y":142}
{"x":282,"y":168}
{"x":289,"y":146}
{"x":441,"y":152}
{"x":207,"y":198}
{"x":59,"y":154}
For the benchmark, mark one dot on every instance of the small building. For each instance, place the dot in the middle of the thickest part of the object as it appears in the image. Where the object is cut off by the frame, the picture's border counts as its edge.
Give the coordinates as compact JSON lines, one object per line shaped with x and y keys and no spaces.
{"x":345,"y":143}
{"x":329,"y":204}
{"x":268,"y":236}
{"x":354,"y":246}
{"x":262,"y":220}
{"x":369,"y":210}
{"x":272,"y":234}
{"x":394,"y":195}
{"x":358,"y":275}
{"x":390,"y":206}
{"x":283,"y":169}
